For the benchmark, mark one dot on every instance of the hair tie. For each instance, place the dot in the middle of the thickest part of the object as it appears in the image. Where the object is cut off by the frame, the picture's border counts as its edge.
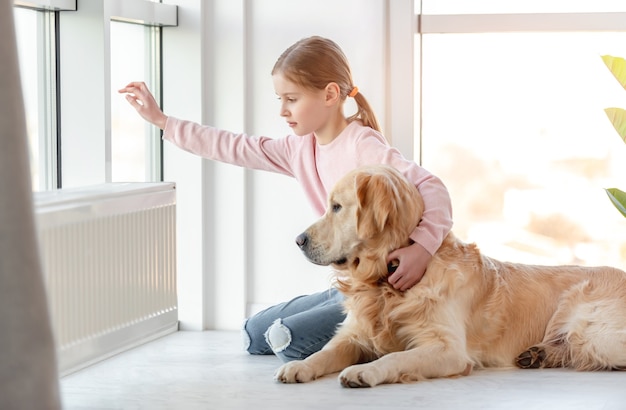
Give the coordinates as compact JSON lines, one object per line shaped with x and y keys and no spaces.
{"x":354,"y":92}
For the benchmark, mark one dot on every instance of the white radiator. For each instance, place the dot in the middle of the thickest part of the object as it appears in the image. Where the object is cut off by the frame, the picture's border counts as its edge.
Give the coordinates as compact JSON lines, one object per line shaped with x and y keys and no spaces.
{"x":109,"y":261}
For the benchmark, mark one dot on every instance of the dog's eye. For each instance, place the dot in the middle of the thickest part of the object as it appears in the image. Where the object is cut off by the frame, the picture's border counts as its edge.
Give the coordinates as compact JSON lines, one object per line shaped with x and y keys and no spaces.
{"x":336,"y":208}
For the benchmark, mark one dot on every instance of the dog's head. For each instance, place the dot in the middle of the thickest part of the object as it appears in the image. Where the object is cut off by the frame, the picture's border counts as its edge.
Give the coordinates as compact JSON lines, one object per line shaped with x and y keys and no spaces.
{"x":371,"y":212}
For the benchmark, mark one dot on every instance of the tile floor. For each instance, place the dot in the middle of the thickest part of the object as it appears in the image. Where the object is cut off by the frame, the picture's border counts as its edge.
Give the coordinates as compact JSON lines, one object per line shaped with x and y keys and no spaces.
{"x":209,"y":370}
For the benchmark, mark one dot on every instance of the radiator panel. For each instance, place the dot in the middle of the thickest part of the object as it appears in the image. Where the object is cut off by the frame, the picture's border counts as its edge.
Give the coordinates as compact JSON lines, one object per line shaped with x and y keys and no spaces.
{"x":109,"y":261}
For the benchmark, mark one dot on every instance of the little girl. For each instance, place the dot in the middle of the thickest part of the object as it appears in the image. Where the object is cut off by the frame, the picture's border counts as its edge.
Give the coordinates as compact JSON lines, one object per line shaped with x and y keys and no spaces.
{"x":312,"y":79}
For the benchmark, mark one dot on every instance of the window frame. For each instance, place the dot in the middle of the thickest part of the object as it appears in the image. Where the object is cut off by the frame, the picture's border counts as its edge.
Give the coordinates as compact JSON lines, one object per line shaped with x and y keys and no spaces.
{"x":51,"y":5}
{"x":522,"y":22}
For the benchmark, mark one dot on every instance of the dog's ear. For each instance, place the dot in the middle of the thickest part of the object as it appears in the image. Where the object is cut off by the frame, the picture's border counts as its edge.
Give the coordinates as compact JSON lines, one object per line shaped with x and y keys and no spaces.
{"x":376,"y":198}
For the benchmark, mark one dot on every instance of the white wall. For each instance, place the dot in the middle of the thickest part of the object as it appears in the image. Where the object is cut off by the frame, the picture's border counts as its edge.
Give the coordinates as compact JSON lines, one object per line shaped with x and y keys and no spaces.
{"x":237,"y":227}
{"x":183,"y":73}
{"x":279,"y":271}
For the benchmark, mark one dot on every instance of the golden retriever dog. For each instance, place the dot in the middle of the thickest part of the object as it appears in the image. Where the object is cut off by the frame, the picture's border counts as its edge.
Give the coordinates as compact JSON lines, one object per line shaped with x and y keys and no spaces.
{"x":469,"y":311}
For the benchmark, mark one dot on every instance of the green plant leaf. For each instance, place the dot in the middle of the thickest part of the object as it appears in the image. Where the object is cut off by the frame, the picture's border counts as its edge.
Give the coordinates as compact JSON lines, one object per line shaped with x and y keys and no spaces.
{"x":618,"y":198}
{"x":617,"y":66}
{"x":617,"y":116}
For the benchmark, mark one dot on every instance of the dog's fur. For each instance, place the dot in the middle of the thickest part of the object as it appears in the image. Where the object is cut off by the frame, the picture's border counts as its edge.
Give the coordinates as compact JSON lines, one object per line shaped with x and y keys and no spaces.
{"x":468,"y":311}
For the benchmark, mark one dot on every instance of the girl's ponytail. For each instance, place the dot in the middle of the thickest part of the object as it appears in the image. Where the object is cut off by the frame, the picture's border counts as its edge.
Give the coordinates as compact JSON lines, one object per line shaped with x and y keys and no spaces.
{"x":364,"y":113}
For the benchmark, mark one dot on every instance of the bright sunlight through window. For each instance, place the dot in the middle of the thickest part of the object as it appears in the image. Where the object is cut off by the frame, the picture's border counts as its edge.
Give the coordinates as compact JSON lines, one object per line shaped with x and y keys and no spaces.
{"x":514,"y":124}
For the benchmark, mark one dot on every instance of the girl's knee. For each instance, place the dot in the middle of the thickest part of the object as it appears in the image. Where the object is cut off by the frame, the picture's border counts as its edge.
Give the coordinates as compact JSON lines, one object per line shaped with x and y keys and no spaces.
{"x":278,"y":336}
{"x":275,"y":339}
{"x":253,"y":339}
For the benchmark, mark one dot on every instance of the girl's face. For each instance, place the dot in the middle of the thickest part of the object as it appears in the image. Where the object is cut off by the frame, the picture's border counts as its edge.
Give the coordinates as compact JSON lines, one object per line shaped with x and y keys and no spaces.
{"x":305,"y":110}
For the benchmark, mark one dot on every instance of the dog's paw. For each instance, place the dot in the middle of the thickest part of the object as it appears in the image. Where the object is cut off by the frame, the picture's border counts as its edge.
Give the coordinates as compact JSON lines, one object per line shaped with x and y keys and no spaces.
{"x":532,"y":358}
{"x":360,"y":375}
{"x":295,"y":372}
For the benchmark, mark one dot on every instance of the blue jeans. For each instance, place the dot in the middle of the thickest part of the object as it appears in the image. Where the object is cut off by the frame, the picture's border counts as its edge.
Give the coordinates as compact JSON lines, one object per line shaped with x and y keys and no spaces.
{"x":296,"y":329}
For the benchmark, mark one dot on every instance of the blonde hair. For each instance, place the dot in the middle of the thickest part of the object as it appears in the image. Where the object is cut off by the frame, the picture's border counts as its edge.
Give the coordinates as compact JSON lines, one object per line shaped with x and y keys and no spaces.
{"x":313,"y":63}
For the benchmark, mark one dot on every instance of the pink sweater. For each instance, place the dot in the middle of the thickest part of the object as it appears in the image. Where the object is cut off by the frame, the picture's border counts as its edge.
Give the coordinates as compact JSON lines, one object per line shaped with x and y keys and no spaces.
{"x":319,"y":167}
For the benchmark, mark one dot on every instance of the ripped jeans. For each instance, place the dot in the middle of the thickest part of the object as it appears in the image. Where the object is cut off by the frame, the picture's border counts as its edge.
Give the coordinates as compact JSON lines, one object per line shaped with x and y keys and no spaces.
{"x":296,"y":329}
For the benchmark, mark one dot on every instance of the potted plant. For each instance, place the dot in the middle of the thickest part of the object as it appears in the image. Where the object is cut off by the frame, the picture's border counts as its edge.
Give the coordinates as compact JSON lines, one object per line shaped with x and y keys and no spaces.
{"x":617,"y":116}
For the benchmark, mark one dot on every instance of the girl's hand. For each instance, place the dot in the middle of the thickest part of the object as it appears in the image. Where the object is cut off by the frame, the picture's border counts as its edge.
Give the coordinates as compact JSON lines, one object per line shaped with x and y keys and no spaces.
{"x":138,"y":95}
{"x":413,"y":261}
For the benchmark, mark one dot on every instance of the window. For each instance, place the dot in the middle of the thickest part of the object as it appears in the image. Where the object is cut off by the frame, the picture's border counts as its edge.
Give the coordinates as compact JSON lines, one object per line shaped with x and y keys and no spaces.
{"x":136,"y":145}
{"x":36,"y":49}
{"x":72,"y":62}
{"x":514,"y":124}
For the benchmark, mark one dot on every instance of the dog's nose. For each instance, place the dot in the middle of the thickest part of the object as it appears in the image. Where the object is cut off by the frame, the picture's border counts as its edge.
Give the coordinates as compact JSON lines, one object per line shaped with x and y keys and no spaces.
{"x":301,"y":240}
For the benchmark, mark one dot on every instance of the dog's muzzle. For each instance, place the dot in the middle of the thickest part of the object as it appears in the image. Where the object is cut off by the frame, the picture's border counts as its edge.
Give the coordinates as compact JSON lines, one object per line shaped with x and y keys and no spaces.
{"x":304,"y":243}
